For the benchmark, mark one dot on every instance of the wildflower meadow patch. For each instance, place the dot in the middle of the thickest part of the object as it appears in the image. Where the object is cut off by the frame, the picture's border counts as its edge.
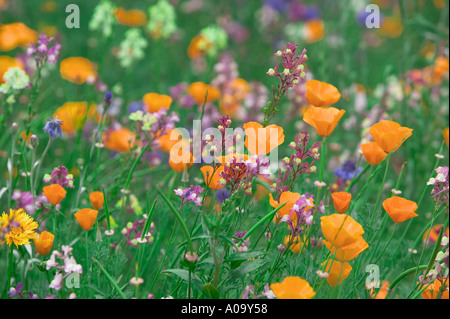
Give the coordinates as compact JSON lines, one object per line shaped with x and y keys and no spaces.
{"x":238,"y":150}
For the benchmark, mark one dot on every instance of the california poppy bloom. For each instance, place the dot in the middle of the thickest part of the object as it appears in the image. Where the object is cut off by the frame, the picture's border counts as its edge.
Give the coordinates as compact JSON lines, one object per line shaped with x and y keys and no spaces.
{"x":341,"y":201}
{"x":261,"y":140}
{"x":340,"y":230}
{"x":437,"y":290}
{"x":445,"y":135}
{"x":349,"y":252}
{"x":168,"y":140}
{"x":337,"y":271}
{"x":389,"y":135}
{"x":44,"y":242}
{"x":198,"y":91}
{"x":96,"y":199}
{"x":373,"y":153}
{"x":314,"y":31}
{"x":293,"y":287}
{"x":400,"y":209}
{"x":212,"y":180}
{"x":7,"y":62}
{"x":78,"y":70}
{"x":321,"y":93}
{"x":286,"y":197}
{"x":180,"y":160}
{"x":324,"y":120}
{"x":294,"y":244}
{"x":74,"y":114}
{"x":154,"y":102}
{"x":434,"y":234}
{"x":391,"y":27}
{"x":121,"y":140}
{"x":86,"y":217}
{"x":15,"y":35}
{"x":54,"y":193}
{"x":382,"y":293}
{"x":131,"y":18}
{"x":198,"y":47}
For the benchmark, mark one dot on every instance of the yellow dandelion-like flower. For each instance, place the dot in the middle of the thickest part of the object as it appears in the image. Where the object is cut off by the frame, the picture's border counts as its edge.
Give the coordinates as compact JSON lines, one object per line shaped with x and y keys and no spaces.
{"x":20,"y":227}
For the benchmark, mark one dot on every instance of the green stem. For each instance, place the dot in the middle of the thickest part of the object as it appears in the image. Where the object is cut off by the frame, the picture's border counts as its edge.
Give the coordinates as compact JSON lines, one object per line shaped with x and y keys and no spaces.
{"x":380,"y":192}
{"x":110,"y":279}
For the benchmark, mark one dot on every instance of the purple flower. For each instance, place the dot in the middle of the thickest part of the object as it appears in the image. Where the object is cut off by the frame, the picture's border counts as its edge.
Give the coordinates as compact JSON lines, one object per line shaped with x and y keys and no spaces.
{"x":53,"y":128}
{"x":59,"y":176}
{"x":190,"y":195}
{"x":17,"y":291}
{"x":440,"y":184}
{"x":43,"y":52}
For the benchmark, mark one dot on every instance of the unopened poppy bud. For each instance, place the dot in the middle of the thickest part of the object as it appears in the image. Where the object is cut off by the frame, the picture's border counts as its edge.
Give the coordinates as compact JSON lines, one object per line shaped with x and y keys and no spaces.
{"x":14,"y":127}
{"x":281,"y":248}
{"x":34,"y":141}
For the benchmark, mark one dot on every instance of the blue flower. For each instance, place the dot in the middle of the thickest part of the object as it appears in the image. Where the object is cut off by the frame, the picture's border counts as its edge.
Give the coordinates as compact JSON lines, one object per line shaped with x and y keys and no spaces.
{"x":53,"y":128}
{"x":348,"y":171}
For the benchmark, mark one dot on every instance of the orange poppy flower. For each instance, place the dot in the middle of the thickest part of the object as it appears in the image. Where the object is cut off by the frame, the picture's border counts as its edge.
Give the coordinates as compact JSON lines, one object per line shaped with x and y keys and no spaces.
{"x":240,"y":88}
{"x":293,"y":287}
{"x":321,"y":93}
{"x":295,"y":245}
{"x":324,"y":120}
{"x":441,"y":66}
{"x":314,"y":31}
{"x":391,"y":27}
{"x":121,"y":140}
{"x":15,"y":35}
{"x":78,"y":70}
{"x":212,"y":180}
{"x":74,"y":114}
{"x":96,"y":199}
{"x":389,"y":135}
{"x":180,"y":160}
{"x":341,"y":201}
{"x":373,"y":153}
{"x":131,"y":18}
{"x":166,"y":143}
{"x":286,"y":197}
{"x":7,"y":62}
{"x":337,"y":271}
{"x":44,"y":242}
{"x":54,"y":193}
{"x":86,"y":217}
{"x":154,"y":102}
{"x":198,"y":91}
{"x":382,"y":293}
{"x":400,"y":209}
{"x":261,"y":190}
{"x":348,"y":252}
{"x":340,"y":230}
{"x":435,"y":290}
{"x":434,"y":234}
{"x":198,"y":47}
{"x":445,"y":135}
{"x":261,"y":140}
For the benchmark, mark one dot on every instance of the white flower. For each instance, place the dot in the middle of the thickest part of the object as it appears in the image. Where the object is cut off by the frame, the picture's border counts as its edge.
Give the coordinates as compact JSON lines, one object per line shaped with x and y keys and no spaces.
{"x":132,"y":48}
{"x":103,"y":18}
{"x":15,"y":79}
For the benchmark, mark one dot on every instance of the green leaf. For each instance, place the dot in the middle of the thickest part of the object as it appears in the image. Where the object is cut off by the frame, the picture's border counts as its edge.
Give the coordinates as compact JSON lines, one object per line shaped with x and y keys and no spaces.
{"x":211,"y":292}
{"x":245,"y":268}
{"x":184,"y":274}
{"x":246,"y":255}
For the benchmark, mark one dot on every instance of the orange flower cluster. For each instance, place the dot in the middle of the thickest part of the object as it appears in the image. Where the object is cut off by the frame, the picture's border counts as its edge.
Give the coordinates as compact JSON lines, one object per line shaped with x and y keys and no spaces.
{"x":259,"y":140}
{"x":202,"y":92}
{"x":343,"y":236}
{"x":154,"y":102}
{"x":7,"y":62}
{"x":74,"y":114}
{"x":131,"y":18}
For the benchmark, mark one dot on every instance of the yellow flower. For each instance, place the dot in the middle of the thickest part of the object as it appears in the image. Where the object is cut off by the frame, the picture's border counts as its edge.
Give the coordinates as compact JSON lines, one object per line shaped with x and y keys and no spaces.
{"x":20,"y":227}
